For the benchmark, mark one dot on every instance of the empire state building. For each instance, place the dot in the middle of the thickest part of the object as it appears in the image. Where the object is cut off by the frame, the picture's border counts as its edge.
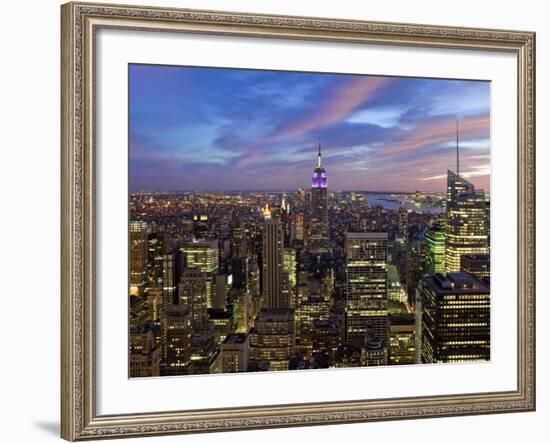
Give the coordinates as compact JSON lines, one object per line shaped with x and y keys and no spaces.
{"x":319,"y":210}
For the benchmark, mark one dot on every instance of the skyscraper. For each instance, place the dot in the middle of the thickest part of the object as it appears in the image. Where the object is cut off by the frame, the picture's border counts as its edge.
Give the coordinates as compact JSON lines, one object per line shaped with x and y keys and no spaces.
{"x":467,"y":219}
{"x":319,"y":207}
{"x":239,"y":270}
{"x":204,"y":256}
{"x":312,"y":304}
{"x":272,"y":338}
{"x":192,"y":293}
{"x":402,"y":346}
{"x":272,"y":261}
{"x":403,"y":216}
{"x":175,"y":327}
{"x":455,"y":319}
{"x":144,"y":354}
{"x":235,"y":352}
{"x":366,"y":286}
{"x":435,"y":249}
{"x":171,"y":270}
{"x":477,"y":265}
{"x":289,"y":265}
{"x":238,"y":241}
{"x":138,"y":256}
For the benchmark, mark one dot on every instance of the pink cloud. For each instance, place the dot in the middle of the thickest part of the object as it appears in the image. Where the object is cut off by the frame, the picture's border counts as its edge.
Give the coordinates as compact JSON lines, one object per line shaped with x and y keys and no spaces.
{"x":338,"y":104}
{"x":440,"y":132}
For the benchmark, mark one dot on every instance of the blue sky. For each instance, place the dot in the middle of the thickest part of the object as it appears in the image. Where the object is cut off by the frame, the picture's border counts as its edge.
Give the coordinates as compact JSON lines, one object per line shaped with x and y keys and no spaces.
{"x":231,"y":129}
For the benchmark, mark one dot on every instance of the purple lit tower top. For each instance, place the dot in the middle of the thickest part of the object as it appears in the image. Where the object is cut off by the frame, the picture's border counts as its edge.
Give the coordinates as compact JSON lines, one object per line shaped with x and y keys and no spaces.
{"x":319,"y":178}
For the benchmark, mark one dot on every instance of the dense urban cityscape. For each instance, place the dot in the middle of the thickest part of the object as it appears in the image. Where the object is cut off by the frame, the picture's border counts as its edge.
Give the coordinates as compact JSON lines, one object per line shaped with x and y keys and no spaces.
{"x":224,"y":282}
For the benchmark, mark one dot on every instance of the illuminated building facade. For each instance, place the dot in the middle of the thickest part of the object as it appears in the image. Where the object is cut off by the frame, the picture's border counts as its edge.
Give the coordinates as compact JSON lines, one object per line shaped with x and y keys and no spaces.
{"x":138,"y":256}
{"x":415,"y":266}
{"x":402,"y":346}
{"x":223,"y":323}
{"x":158,"y":245}
{"x":245,"y":312}
{"x":297,"y":228}
{"x":175,"y":329}
{"x":144,"y":354}
{"x":192,"y":293}
{"x":319,"y":207}
{"x":455,"y":319}
{"x":435,"y":249}
{"x":204,"y":256}
{"x":312,"y":304}
{"x":272,"y":261}
{"x":254,"y":285}
{"x":200,"y":225}
{"x":290,"y":265}
{"x":139,"y":311}
{"x":272,"y":338}
{"x":395,"y":289}
{"x":326,"y":339}
{"x":403,"y":215}
{"x":235,"y":353}
{"x":205,"y":354}
{"x":171,"y":271}
{"x":477,"y":265}
{"x":467,"y":229}
{"x":366,"y":286}
{"x":374,"y":352}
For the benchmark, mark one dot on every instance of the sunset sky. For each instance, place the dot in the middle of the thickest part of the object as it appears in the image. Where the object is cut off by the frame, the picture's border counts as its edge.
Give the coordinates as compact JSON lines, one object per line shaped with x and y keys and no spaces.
{"x":231,"y":129}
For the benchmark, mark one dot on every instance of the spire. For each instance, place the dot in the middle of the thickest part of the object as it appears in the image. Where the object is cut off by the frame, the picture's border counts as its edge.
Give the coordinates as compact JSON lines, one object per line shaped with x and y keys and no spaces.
{"x":457,"y":152}
{"x":319,"y":156}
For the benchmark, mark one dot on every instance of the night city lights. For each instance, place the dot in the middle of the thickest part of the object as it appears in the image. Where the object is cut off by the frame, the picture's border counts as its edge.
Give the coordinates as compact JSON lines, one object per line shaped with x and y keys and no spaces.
{"x":287,"y":221}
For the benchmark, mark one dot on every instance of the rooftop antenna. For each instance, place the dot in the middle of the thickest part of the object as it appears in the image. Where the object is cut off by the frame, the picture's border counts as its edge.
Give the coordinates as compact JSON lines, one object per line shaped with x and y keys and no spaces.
{"x":457,"y":152}
{"x":319,"y":154}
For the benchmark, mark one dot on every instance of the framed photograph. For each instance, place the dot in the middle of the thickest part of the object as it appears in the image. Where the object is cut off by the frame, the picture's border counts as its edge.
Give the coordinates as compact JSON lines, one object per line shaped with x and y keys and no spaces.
{"x":277,"y":221}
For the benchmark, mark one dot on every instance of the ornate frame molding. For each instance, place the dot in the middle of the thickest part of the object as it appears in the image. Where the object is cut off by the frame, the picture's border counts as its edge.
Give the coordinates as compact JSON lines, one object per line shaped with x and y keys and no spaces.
{"x":79,"y":420}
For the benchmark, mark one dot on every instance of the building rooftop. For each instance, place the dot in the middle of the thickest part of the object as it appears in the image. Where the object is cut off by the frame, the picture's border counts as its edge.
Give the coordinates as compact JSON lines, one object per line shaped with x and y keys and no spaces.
{"x":366,"y":235}
{"x":475,"y":257}
{"x":235,"y":338}
{"x":402,"y":319}
{"x":219,"y":314}
{"x":456,"y":283}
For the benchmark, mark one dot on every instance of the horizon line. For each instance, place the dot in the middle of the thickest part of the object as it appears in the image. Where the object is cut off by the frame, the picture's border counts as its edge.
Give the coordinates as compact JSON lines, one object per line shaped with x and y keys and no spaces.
{"x":281,"y":190}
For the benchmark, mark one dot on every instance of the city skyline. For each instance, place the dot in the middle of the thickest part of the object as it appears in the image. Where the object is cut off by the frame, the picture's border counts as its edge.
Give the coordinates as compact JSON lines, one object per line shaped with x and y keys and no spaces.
{"x":312,"y":278}
{"x":214,"y":129}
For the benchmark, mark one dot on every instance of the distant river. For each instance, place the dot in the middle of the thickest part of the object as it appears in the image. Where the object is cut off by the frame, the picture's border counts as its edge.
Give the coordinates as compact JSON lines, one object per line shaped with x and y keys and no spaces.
{"x":388,"y":202}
